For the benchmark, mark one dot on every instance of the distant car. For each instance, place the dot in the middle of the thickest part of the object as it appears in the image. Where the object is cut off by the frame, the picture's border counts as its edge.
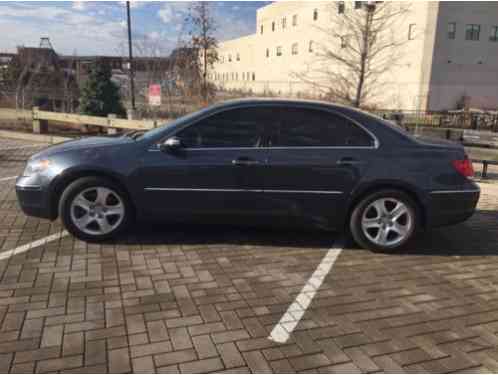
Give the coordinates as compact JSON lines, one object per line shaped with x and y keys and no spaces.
{"x":266,"y":161}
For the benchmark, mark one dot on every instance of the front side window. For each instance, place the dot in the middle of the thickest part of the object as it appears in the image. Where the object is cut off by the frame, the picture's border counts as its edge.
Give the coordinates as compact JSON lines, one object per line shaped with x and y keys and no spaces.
{"x":295,"y":48}
{"x":472,"y":32}
{"x":316,"y":128}
{"x":279,"y":51}
{"x":452,"y":30}
{"x":241,"y":127}
{"x":294,"y":20}
{"x":494,"y":34}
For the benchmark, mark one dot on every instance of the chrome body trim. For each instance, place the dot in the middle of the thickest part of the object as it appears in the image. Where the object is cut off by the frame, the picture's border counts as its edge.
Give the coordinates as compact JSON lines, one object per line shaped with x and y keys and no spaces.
{"x":246,"y":190}
{"x":468,"y":191}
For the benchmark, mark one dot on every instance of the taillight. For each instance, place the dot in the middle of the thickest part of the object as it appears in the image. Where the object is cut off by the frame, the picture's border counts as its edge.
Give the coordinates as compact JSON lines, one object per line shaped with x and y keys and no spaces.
{"x":464,"y":167}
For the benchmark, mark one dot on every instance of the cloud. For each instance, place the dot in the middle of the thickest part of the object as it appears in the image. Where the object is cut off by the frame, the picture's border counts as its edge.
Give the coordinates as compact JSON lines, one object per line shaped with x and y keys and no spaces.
{"x":79,"y":5}
{"x":173,"y":11}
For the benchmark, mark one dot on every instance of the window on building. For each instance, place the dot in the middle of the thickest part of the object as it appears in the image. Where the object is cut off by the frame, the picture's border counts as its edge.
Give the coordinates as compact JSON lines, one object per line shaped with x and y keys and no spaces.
{"x":311,"y":46}
{"x":261,"y":27}
{"x":238,"y":56}
{"x":294,"y":20}
{"x":222,"y":59}
{"x":452,"y":30}
{"x":344,"y":41}
{"x":357,"y":4}
{"x":341,"y":7}
{"x":279,"y":51}
{"x":254,"y":76}
{"x":315,"y":14}
{"x":494,"y":34}
{"x":295,"y":48}
{"x":314,"y":128}
{"x":237,"y":76}
{"x":243,"y":76}
{"x":273,"y":26}
{"x":229,"y":58}
{"x":411,"y":31}
{"x":284,"y":23}
{"x":267,"y":52}
{"x":472,"y":32}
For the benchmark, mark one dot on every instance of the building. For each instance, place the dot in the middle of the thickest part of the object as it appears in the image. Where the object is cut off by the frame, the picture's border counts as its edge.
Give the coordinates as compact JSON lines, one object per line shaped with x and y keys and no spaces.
{"x":450,"y":52}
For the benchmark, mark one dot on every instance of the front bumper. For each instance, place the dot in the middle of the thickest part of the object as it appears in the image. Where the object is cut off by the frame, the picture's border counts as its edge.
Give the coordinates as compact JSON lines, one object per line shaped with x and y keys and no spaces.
{"x":447,"y":207}
{"x":33,"y":199}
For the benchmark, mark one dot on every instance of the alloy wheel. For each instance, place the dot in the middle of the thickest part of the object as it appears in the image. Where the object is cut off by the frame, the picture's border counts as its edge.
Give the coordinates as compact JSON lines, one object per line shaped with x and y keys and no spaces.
{"x":387,"y":222}
{"x":97,"y":210}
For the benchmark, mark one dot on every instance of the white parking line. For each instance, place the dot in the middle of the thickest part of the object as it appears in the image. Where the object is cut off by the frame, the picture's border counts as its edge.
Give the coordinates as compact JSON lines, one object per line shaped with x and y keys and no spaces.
{"x":21,"y":249}
{"x":282,"y":330}
{"x":7,"y":178}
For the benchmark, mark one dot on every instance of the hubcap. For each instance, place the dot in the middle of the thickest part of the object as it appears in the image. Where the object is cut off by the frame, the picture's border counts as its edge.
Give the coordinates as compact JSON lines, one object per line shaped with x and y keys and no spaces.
{"x":97,"y":210}
{"x":387,"y":222}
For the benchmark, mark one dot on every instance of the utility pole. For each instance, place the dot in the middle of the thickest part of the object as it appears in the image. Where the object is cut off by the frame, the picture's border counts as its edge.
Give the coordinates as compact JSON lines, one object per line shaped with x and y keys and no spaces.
{"x":130,"y":51}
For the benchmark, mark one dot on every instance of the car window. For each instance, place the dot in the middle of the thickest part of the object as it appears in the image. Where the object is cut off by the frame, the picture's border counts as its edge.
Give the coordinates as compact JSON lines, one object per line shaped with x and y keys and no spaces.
{"x":242,"y":127}
{"x":302,"y":127}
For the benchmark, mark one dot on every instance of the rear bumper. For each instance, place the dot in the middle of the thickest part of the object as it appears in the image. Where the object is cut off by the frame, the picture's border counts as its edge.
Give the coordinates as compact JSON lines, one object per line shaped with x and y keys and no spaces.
{"x":34,"y":201}
{"x":447,"y":207}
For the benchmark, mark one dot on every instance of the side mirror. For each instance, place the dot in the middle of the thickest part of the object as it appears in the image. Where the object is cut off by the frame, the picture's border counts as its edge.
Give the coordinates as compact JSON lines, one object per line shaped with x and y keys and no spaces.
{"x":171,"y":145}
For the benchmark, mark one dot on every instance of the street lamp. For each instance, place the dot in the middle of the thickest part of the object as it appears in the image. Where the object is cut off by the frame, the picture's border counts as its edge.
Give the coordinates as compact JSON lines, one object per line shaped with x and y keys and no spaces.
{"x":130,"y":53}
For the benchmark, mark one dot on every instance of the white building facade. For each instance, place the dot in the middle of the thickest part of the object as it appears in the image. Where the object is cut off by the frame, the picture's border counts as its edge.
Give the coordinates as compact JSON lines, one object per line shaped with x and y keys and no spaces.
{"x":450,"y":52}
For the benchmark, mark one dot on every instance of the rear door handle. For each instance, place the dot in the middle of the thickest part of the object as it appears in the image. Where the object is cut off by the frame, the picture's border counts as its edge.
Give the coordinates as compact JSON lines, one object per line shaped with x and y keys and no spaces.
{"x":244,"y":161}
{"x":349,"y":161}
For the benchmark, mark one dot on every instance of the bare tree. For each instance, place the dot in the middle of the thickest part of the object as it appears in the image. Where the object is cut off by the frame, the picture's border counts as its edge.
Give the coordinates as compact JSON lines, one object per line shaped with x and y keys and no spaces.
{"x":201,"y":29}
{"x":360,"y":48}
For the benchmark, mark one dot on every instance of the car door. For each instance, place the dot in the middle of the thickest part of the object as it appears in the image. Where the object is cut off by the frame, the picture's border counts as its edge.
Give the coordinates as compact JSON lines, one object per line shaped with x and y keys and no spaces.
{"x":217,"y":170}
{"x":315,"y":159}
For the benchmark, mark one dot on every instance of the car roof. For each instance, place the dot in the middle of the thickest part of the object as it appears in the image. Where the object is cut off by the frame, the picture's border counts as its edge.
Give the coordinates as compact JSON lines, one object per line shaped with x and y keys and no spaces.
{"x":280,"y":101}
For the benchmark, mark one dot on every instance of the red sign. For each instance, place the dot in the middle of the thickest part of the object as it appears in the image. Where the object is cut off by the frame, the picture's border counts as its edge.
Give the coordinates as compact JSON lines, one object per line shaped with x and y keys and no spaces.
{"x":154,"y":95}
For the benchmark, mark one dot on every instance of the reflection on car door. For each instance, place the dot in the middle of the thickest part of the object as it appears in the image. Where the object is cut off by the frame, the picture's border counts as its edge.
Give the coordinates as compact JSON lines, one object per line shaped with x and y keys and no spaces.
{"x":217,"y":171}
{"x":315,"y":159}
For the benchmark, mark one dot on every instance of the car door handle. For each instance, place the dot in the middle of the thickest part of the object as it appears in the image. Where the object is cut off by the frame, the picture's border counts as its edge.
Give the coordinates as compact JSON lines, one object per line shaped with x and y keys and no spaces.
{"x":244,"y":162}
{"x":349,"y":161}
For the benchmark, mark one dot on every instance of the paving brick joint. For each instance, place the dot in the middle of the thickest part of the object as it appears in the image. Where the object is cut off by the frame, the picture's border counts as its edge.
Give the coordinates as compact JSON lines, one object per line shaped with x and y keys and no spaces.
{"x":170,"y":298}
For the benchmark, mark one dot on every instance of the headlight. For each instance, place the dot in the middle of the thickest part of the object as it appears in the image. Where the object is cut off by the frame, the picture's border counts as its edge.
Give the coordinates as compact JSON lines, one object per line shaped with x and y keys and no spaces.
{"x":35,"y":167}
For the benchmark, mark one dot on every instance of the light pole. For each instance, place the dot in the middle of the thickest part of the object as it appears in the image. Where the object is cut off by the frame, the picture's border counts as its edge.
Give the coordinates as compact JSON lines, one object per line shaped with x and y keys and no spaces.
{"x":130,"y":53}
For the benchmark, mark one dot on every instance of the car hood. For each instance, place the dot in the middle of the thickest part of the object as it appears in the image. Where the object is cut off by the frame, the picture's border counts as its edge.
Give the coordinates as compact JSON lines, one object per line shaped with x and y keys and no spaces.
{"x":82,"y":144}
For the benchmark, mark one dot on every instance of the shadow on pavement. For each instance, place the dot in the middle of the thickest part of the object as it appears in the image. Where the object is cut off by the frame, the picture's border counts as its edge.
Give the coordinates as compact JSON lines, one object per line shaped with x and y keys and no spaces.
{"x":476,"y":237}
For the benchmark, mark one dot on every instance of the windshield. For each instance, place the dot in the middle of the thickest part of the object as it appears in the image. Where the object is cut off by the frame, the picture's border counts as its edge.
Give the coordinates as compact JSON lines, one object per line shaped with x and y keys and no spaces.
{"x":149,"y":134}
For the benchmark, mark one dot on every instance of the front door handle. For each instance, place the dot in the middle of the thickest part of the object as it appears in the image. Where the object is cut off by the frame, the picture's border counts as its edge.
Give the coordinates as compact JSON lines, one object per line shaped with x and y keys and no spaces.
{"x":244,"y":161}
{"x":349,"y":161}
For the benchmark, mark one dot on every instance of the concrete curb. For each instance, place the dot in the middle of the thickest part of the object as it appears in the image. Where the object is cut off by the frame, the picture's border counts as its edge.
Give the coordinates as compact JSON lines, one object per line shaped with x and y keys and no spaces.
{"x":33,"y":137}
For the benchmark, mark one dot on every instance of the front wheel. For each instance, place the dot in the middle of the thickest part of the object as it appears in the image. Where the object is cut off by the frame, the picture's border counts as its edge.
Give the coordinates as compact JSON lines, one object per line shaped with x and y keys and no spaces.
{"x":94,"y":209}
{"x":384,"y":221}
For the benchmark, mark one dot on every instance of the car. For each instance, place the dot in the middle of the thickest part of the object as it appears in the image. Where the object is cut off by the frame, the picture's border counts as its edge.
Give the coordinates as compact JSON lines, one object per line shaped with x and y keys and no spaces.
{"x":263,"y":161}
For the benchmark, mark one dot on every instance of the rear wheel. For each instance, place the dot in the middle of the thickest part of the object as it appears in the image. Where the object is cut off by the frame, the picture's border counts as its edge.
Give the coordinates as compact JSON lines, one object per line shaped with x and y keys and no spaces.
{"x":94,"y":209}
{"x":384,"y":221}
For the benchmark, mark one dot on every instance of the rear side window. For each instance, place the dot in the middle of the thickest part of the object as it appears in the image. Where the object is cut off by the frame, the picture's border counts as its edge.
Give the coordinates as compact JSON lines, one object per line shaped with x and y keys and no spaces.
{"x":242,"y":127}
{"x":316,"y":128}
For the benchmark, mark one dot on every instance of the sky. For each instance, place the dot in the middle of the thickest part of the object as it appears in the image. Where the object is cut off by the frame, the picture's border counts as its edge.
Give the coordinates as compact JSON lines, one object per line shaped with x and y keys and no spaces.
{"x":99,"y":28}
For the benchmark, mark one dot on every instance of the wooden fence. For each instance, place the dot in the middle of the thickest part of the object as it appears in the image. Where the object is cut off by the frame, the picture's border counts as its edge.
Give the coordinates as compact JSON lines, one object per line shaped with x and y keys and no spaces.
{"x":41,"y":119}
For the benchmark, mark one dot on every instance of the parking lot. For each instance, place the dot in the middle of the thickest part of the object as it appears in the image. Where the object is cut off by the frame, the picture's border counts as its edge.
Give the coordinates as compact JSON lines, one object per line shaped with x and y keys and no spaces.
{"x":171,"y":298}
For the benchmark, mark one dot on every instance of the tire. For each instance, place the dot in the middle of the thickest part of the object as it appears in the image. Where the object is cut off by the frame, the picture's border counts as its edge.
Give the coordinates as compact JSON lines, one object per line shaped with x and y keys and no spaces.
{"x":95,"y":209}
{"x":387,"y":230}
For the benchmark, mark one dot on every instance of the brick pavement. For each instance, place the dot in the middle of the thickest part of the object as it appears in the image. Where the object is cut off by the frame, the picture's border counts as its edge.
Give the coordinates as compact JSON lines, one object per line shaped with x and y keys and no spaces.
{"x":204,"y":299}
